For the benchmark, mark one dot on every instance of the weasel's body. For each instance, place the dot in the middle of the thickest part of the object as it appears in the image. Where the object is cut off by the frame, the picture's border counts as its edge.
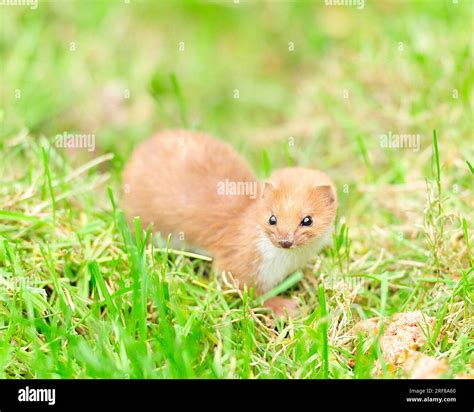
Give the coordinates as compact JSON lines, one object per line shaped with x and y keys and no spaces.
{"x":199,"y":190}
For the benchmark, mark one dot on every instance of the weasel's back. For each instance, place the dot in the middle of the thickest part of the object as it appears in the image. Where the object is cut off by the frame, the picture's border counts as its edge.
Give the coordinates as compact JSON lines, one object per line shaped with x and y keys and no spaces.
{"x":174,"y":181}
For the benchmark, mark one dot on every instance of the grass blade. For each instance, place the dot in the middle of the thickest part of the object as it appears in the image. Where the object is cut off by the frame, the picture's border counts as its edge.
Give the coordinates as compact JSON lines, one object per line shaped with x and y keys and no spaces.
{"x":324,"y":331}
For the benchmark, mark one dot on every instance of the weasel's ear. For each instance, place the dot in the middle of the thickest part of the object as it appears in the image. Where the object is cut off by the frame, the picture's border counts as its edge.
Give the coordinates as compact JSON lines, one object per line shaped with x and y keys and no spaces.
{"x":326,"y":194}
{"x":267,"y":188}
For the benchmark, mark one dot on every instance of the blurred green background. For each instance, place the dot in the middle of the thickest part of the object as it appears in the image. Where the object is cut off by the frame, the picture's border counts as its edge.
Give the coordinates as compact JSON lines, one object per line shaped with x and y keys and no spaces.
{"x":104,"y":67}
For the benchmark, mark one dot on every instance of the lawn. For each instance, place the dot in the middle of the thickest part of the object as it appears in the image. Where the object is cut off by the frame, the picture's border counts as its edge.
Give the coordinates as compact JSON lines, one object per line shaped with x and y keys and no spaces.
{"x":378,"y":97}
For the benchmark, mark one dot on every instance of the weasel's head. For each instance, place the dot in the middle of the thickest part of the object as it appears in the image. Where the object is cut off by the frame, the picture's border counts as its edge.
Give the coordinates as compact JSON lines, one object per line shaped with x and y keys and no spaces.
{"x":297,"y":207}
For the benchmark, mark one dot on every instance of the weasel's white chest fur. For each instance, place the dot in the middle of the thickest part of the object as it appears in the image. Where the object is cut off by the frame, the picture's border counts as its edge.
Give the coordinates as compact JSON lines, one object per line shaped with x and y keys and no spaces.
{"x":278,"y":263}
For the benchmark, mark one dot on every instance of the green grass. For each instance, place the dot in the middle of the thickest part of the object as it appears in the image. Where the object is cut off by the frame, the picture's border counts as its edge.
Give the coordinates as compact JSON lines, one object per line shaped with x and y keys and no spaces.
{"x":82,"y":295}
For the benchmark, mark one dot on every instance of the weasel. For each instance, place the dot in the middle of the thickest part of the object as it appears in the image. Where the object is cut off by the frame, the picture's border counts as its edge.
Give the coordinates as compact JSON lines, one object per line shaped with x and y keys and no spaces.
{"x":198,"y":189}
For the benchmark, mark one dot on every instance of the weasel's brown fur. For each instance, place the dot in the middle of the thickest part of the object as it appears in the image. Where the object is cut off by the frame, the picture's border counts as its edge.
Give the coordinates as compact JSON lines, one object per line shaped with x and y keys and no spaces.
{"x":172,"y":182}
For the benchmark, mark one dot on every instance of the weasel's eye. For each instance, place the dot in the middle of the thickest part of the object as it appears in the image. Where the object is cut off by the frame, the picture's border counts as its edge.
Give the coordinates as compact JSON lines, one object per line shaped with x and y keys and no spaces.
{"x":307,"y":221}
{"x":272,"y":220}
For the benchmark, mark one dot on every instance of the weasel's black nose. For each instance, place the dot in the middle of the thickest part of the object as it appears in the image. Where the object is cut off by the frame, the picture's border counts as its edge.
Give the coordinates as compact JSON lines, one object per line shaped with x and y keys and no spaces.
{"x":285,"y":243}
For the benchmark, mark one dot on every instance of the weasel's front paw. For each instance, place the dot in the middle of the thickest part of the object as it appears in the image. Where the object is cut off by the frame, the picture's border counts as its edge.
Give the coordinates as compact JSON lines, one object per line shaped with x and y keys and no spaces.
{"x":283,"y":307}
